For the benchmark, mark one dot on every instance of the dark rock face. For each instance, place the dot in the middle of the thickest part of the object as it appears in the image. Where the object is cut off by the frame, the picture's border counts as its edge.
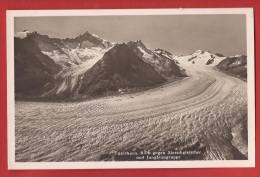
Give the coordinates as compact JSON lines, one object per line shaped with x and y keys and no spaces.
{"x":33,"y":69}
{"x":236,"y":66}
{"x":120,"y":67}
{"x":210,"y":61}
{"x":219,"y":55}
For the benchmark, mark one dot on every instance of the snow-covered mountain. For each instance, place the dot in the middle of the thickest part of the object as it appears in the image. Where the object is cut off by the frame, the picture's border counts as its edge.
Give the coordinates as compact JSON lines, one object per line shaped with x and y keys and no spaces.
{"x":70,"y":57}
{"x":70,"y":51}
{"x":62,"y":64}
{"x":123,"y":66}
{"x":201,"y":57}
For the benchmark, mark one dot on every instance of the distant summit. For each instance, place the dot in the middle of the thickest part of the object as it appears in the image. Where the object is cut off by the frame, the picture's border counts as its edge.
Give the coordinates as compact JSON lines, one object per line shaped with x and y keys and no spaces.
{"x":89,"y":40}
{"x":201,"y":57}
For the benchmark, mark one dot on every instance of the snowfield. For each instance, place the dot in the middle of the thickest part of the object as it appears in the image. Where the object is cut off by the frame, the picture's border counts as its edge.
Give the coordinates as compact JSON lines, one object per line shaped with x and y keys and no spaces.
{"x":199,"y":57}
{"x":206,"y":111}
{"x":85,"y":58}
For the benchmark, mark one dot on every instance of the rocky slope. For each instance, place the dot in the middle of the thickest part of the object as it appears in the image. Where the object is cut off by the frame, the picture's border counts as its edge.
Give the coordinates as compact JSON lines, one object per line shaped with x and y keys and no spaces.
{"x":160,"y":59}
{"x":119,"y":68}
{"x":33,"y":69}
{"x":234,"y":65}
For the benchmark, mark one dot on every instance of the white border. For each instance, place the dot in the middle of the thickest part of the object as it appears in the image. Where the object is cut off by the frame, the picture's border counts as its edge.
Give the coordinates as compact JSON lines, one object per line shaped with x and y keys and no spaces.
{"x":129,"y":165}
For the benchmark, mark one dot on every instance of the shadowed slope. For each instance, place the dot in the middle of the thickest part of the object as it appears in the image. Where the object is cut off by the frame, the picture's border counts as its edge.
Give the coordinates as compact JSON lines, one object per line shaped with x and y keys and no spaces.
{"x":33,"y":69}
{"x":119,"y":68}
{"x":236,"y":66}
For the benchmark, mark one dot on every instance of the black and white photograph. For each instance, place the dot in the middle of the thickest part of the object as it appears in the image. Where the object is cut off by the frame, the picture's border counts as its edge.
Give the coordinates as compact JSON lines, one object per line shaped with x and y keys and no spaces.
{"x":164,"y":88}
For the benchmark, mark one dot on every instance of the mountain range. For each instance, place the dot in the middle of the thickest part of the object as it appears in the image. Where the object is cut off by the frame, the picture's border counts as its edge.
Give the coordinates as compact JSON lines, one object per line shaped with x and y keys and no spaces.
{"x":86,"y":65}
{"x":232,"y":65}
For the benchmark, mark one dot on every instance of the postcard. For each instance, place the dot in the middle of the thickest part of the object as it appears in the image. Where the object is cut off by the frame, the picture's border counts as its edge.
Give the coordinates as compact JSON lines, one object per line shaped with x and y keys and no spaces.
{"x":140,"y":88}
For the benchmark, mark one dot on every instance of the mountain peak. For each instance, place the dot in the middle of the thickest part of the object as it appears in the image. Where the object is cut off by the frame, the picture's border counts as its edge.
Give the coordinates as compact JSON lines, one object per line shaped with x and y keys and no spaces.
{"x":28,"y":31}
{"x":137,"y":43}
{"x":199,"y":52}
{"x":89,"y":40}
{"x":25,"y":33}
{"x":86,"y":33}
{"x":119,"y":48}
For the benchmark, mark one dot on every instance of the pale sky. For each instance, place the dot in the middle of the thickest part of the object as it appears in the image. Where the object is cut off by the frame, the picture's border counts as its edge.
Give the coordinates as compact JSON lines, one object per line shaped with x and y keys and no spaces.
{"x":179,"y":34}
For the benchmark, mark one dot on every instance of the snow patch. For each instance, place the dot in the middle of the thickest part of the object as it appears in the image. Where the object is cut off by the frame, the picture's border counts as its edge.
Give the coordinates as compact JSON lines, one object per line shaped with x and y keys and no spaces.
{"x":238,"y":55}
{"x":163,"y":53}
{"x":62,"y":87}
{"x":145,"y":54}
{"x":236,"y":63}
{"x":88,"y":58}
{"x":23,"y":34}
{"x":95,"y":35}
{"x":58,"y":57}
{"x":167,"y":56}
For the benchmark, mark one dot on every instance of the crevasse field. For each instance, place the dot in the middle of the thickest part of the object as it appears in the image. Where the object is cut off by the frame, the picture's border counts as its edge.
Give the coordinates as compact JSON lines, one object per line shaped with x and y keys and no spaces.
{"x":206,"y":111}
